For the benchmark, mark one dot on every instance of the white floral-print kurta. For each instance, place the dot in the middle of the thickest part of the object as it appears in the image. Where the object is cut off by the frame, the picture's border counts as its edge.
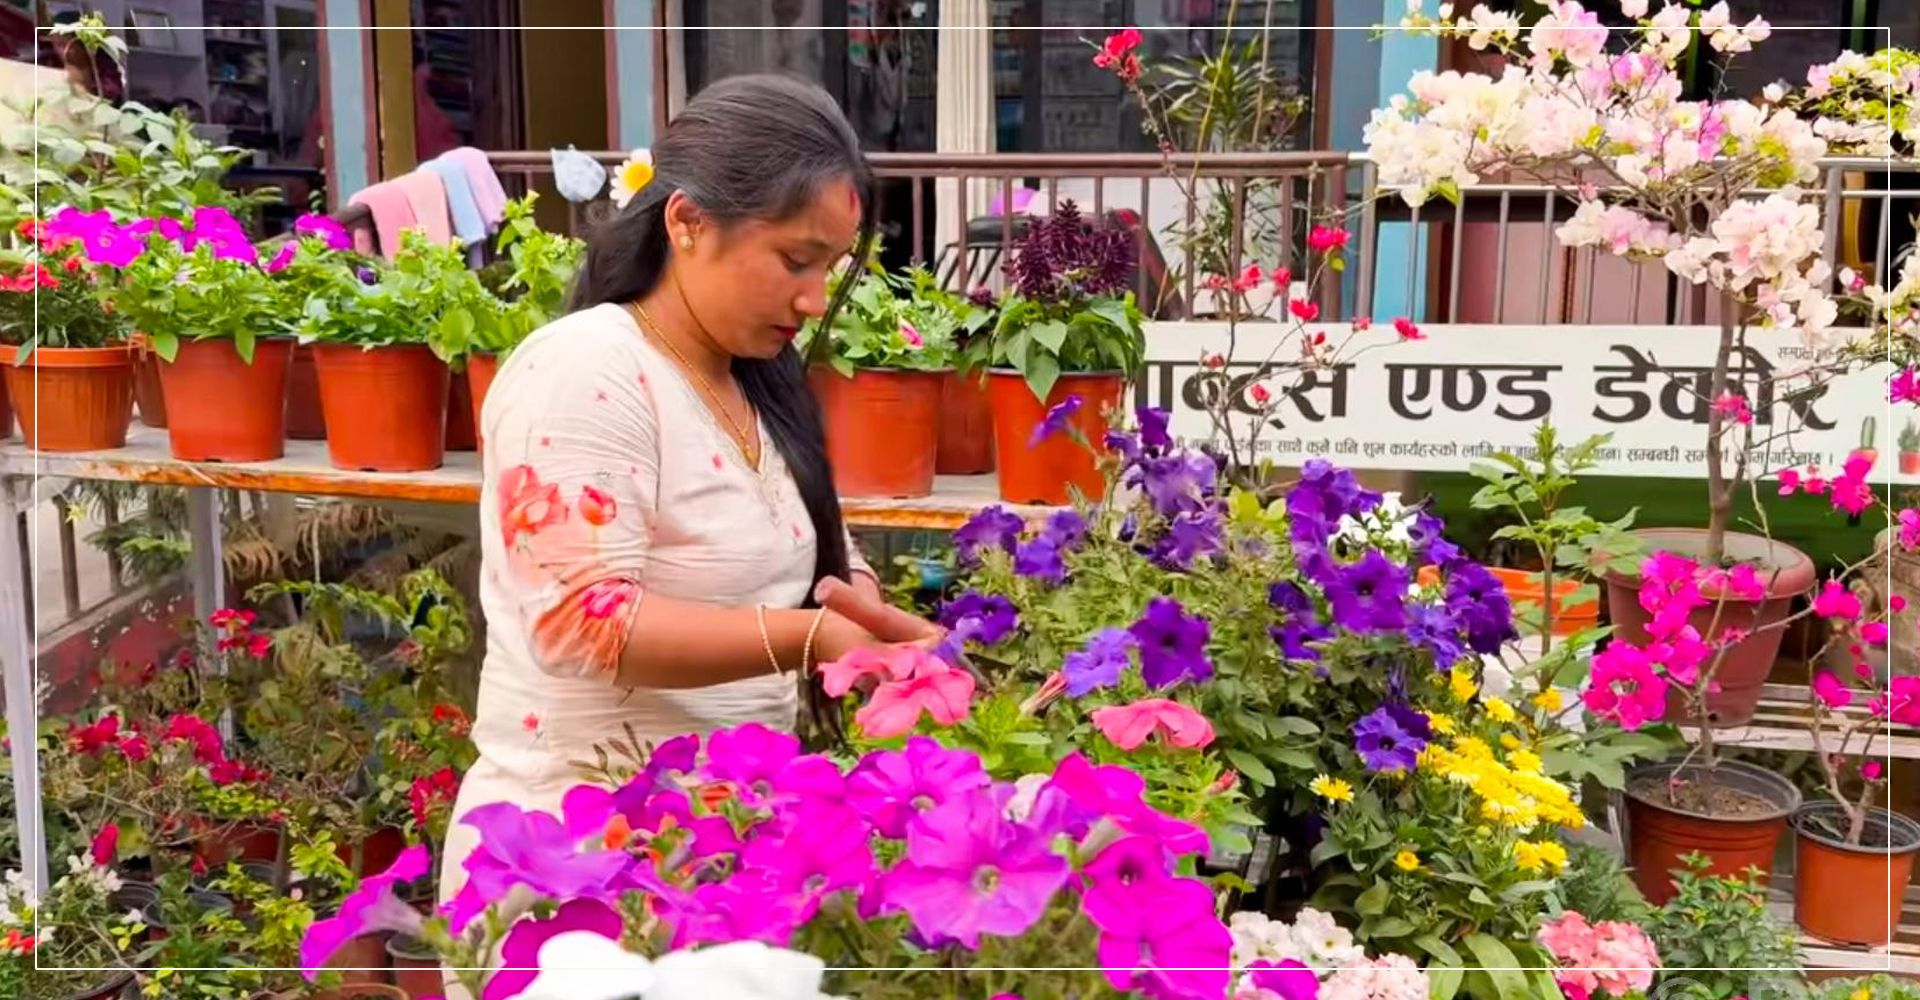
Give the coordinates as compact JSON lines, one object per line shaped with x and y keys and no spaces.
{"x":606,"y":479}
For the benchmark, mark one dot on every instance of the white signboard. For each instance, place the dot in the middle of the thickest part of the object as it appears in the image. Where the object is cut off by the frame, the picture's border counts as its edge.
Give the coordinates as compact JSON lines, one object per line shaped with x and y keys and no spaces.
{"x":1466,"y":392}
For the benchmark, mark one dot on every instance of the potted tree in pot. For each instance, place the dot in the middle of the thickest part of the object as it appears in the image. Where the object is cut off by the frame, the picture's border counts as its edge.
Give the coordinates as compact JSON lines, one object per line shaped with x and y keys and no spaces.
{"x":880,"y":374}
{"x":1656,"y":177}
{"x":1067,"y":340}
{"x":69,"y":368}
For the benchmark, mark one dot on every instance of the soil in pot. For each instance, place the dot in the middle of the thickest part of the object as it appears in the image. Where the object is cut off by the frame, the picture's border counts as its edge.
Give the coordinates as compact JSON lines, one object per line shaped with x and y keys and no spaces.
{"x":1744,"y":667}
{"x":71,"y":398}
{"x":882,"y":429}
{"x":966,"y":427}
{"x":481,"y":368}
{"x":1040,"y":472}
{"x":1851,"y":893}
{"x":386,"y":408}
{"x":305,"y":422}
{"x":222,"y":409}
{"x":416,"y":969}
{"x":1734,"y":814}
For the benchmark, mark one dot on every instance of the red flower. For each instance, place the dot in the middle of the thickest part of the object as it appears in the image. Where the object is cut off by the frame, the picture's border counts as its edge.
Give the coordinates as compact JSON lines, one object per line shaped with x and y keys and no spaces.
{"x":596,"y":506}
{"x":91,"y":739}
{"x":232,"y":772}
{"x":431,"y":791}
{"x":1361,"y":324}
{"x":1303,"y":310}
{"x":1215,"y":282}
{"x":1116,"y":54}
{"x":1323,"y":239}
{"x":193,"y":729}
{"x":134,"y":747}
{"x":1214,"y":361}
{"x":453,"y":717}
{"x":106,"y":844}
{"x":1249,"y":279}
{"x":1407,"y":330}
{"x":1282,"y":279}
{"x":1260,"y":394}
{"x":231,"y":620}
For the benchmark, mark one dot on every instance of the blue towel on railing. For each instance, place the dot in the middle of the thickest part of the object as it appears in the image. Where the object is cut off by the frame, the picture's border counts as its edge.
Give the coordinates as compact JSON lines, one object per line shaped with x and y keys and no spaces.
{"x":467,"y":222}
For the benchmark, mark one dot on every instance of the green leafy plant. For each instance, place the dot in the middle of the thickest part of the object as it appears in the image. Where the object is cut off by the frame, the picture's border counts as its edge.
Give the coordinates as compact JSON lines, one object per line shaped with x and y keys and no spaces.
{"x":1910,"y":437}
{"x":529,"y":283}
{"x":1597,"y":885}
{"x":426,"y":296}
{"x":1878,"y":986}
{"x":52,"y":945}
{"x":1720,"y":940}
{"x":893,"y":321}
{"x":48,"y":292}
{"x":171,"y":294}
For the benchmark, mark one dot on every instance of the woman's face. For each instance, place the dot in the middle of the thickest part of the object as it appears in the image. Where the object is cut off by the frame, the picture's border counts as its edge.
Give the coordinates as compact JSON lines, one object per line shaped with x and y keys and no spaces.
{"x":753,"y":283}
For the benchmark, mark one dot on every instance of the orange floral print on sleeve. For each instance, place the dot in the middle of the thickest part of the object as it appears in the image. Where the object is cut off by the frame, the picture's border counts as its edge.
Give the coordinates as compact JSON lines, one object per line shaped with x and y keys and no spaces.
{"x":527,"y":505}
{"x":585,"y":629}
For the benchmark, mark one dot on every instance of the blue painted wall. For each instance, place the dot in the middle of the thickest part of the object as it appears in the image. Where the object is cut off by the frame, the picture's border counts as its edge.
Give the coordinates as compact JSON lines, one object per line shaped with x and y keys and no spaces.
{"x":349,"y":131}
{"x":633,"y":53}
{"x":1402,"y":54}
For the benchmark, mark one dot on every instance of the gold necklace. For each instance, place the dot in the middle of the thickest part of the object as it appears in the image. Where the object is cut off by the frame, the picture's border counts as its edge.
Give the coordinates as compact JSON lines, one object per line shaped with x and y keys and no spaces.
{"x":749,"y":449}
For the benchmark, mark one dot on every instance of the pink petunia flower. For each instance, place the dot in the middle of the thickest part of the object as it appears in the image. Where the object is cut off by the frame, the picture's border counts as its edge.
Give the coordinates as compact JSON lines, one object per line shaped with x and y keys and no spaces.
{"x":1624,"y":688}
{"x":1733,"y":406}
{"x":1129,"y":726}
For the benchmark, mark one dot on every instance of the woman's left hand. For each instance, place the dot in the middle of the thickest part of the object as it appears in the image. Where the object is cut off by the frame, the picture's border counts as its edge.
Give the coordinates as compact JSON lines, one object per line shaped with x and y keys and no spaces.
{"x":860,"y":602}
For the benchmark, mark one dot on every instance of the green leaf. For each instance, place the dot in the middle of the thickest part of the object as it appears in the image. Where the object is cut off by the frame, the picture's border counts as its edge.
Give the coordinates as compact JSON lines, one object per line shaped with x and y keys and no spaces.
{"x":243,"y":345}
{"x":167,"y":345}
{"x":1443,"y":981}
{"x":1295,"y":724}
{"x":1051,"y":335}
{"x":1390,"y":927}
{"x":1250,"y":766}
{"x":1373,"y":902}
{"x":1042,"y":371}
{"x":1497,"y":962}
{"x":1432,"y":945}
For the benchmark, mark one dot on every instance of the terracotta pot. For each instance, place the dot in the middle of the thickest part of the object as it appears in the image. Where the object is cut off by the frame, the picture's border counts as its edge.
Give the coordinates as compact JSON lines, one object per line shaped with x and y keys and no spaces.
{"x":377,"y":853}
{"x":882,"y":429}
{"x":386,"y":408}
{"x":481,"y":368}
{"x":215,"y":844}
{"x":1910,"y":463}
{"x":1660,"y":833}
{"x":460,"y":433}
{"x":148,"y":397}
{"x":305,"y":421}
{"x":363,"y":960}
{"x":112,"y":985}
{"x":1744,"y":667}
{"x":1521,"y":586}
{"x":1851,"y":893}
{"x":6,"y":412}
{"x":1041,"y":473}
{"x":223,"y":409}
{"x":72,"y":398}
{"x":416,"y":969}
{"x":966,"y":427}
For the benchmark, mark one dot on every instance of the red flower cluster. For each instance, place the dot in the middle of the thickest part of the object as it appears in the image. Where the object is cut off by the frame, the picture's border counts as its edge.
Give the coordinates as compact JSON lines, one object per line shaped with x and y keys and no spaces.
{"x":452,"y":717}
{"x":36,"y":276}
{"x":434,"y":790}
{"x":236,"y":627}
{"x":1117,"y":54}
{"x":16,"y":943}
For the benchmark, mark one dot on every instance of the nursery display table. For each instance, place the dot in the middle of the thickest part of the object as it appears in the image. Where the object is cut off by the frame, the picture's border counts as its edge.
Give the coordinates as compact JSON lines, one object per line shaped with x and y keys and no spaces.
{"x":1781,"y":724}
{"x":303,"y":470}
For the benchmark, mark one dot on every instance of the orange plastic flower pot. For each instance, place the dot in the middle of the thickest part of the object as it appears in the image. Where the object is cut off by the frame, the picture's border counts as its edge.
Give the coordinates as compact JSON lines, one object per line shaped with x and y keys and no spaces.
{"x":460,"y":426}
{"x":1851,"y":893}
{"x":1522,"y":587}
{"x":222,"y":409}
{"x":305,"y":422}
{"x":1040,"y":473}
{"x":416,"y":969}
{"x":386,"y":407}
{"x":1660,"y":834}
{"x":148,"y":397}
{"x":966,"y":427}
{"x":72,"y":398}
{"x":481,"y":368}
{"x":882,"y":429}
{"x":6,"y":412}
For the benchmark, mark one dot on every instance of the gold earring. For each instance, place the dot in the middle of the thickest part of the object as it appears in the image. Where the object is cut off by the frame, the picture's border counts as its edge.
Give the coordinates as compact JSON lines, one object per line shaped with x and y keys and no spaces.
{"x":686,"y":242}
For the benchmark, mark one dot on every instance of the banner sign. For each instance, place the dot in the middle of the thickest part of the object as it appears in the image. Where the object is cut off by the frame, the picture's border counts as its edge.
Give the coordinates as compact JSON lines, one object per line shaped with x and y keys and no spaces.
{"x":1467,"y":392}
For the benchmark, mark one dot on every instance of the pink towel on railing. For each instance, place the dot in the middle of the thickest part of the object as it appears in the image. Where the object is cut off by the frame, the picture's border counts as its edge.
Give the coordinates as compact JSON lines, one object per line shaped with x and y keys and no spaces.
{"x":428,"y":195}
{"x":392,"y":215}
{"x":487,"y":192}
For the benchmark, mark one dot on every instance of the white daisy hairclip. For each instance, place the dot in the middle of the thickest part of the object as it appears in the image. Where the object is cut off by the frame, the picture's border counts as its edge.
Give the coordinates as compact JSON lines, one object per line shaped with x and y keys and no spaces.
{"x":633,"y":174}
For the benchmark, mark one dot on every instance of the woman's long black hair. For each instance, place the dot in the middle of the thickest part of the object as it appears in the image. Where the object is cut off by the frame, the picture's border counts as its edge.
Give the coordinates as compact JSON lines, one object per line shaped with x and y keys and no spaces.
{"x":747,"y":147}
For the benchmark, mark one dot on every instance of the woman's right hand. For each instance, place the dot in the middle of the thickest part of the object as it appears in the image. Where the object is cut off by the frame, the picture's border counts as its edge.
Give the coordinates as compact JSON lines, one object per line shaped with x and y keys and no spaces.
{"x":839,"y":635}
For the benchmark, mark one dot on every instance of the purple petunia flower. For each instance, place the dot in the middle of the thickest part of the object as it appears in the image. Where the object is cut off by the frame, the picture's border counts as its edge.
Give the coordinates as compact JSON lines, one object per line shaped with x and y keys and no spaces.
{"x":1106,"y":656}
{"x":370,"y":909}
{"x":1039,"y":559}
{"x":1411,"y":720}
{"x":1173,"y":644}
{"x":1479,"y":603}
{"x":332,"y":233}
{"x":1057,"y":421}
{"x":1176,"y":483}
{"x":1384,"y":745}
{"x":993,"y":527}
{"x":982,"y":618}
{"x":1176,"y":947}
{"x":1300,"y":625}
{"x":520,"y":950}
{"x":970,"y":871}
{"x":534,"y":849}
{"x":1324,"y":495}
{"x":1189,"y":537}
{"x":1430,"y":546}
{"x":891,"y":787}
{"x":1066,"y":528}
{"x":1370,"y":595}
{"x":1153,"y":428}
{"x":1434,"y":629}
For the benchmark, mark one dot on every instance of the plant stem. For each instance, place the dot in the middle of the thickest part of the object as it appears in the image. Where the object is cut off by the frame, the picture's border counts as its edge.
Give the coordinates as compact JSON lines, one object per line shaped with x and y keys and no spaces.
{"x":1719,"y":491}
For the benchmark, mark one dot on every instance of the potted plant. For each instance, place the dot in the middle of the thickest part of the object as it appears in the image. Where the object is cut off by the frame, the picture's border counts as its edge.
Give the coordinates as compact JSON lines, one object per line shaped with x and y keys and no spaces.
{"x":880,"y":374}
{"x":529,"y":284}
{"x":1718,"y":938}
{"x":966,"y":413}
{"x":380,"y":349}
{"x":70,"y":943}
{"x":1067,"y":339}
{"x":68,"y":367}
{"x":1910,"y":449}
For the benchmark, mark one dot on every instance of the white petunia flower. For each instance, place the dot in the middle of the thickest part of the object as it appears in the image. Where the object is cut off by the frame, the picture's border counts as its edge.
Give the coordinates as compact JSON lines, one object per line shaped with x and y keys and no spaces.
{"x":741,"y":970}
{"x":582,"y":965}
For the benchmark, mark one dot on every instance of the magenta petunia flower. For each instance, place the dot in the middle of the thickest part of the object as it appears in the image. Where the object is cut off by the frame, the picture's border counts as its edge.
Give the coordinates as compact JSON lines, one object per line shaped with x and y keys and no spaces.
{"x":891,"y":787}
{"x":1174,"y":947}
{"x":103,"y":241}
{"x":371,"y":909}
{"x":520,"y":950}
{"x":217,"y":228}
{"x":332,"y":233}
{"x":534,"y":849}
{"x":1126,"y":877}
{"x":1081,"y":793}
{"x":812,"y":850}
{"x":1831,"y":690}
{"x":765,"y":766}
{"x":1624,"y":688}
{"x":970,"y":871}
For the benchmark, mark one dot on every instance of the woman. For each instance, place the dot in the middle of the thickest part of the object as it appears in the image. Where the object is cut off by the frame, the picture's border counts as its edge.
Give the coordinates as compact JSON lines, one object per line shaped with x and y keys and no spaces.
{"x":657,"y":509}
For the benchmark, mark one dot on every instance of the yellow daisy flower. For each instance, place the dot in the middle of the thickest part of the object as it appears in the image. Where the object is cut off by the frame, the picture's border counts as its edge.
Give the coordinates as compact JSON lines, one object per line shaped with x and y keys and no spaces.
{"x":1461,"y":683}
{"x":1535,"y":855}
{"x":1407,"y":861}
{"x":1331,"y":789}
{"x":1500,"y":710}
{"x":1525,"y":761}
{"x":1508,"y":741}
{"x":1442,"y":724}
{"x":1549,"y":700}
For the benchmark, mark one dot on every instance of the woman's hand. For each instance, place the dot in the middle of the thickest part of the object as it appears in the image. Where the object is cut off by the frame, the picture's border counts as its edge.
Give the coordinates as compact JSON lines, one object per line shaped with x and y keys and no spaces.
{"x":839,"y":635}
{"x":861,"y":605}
